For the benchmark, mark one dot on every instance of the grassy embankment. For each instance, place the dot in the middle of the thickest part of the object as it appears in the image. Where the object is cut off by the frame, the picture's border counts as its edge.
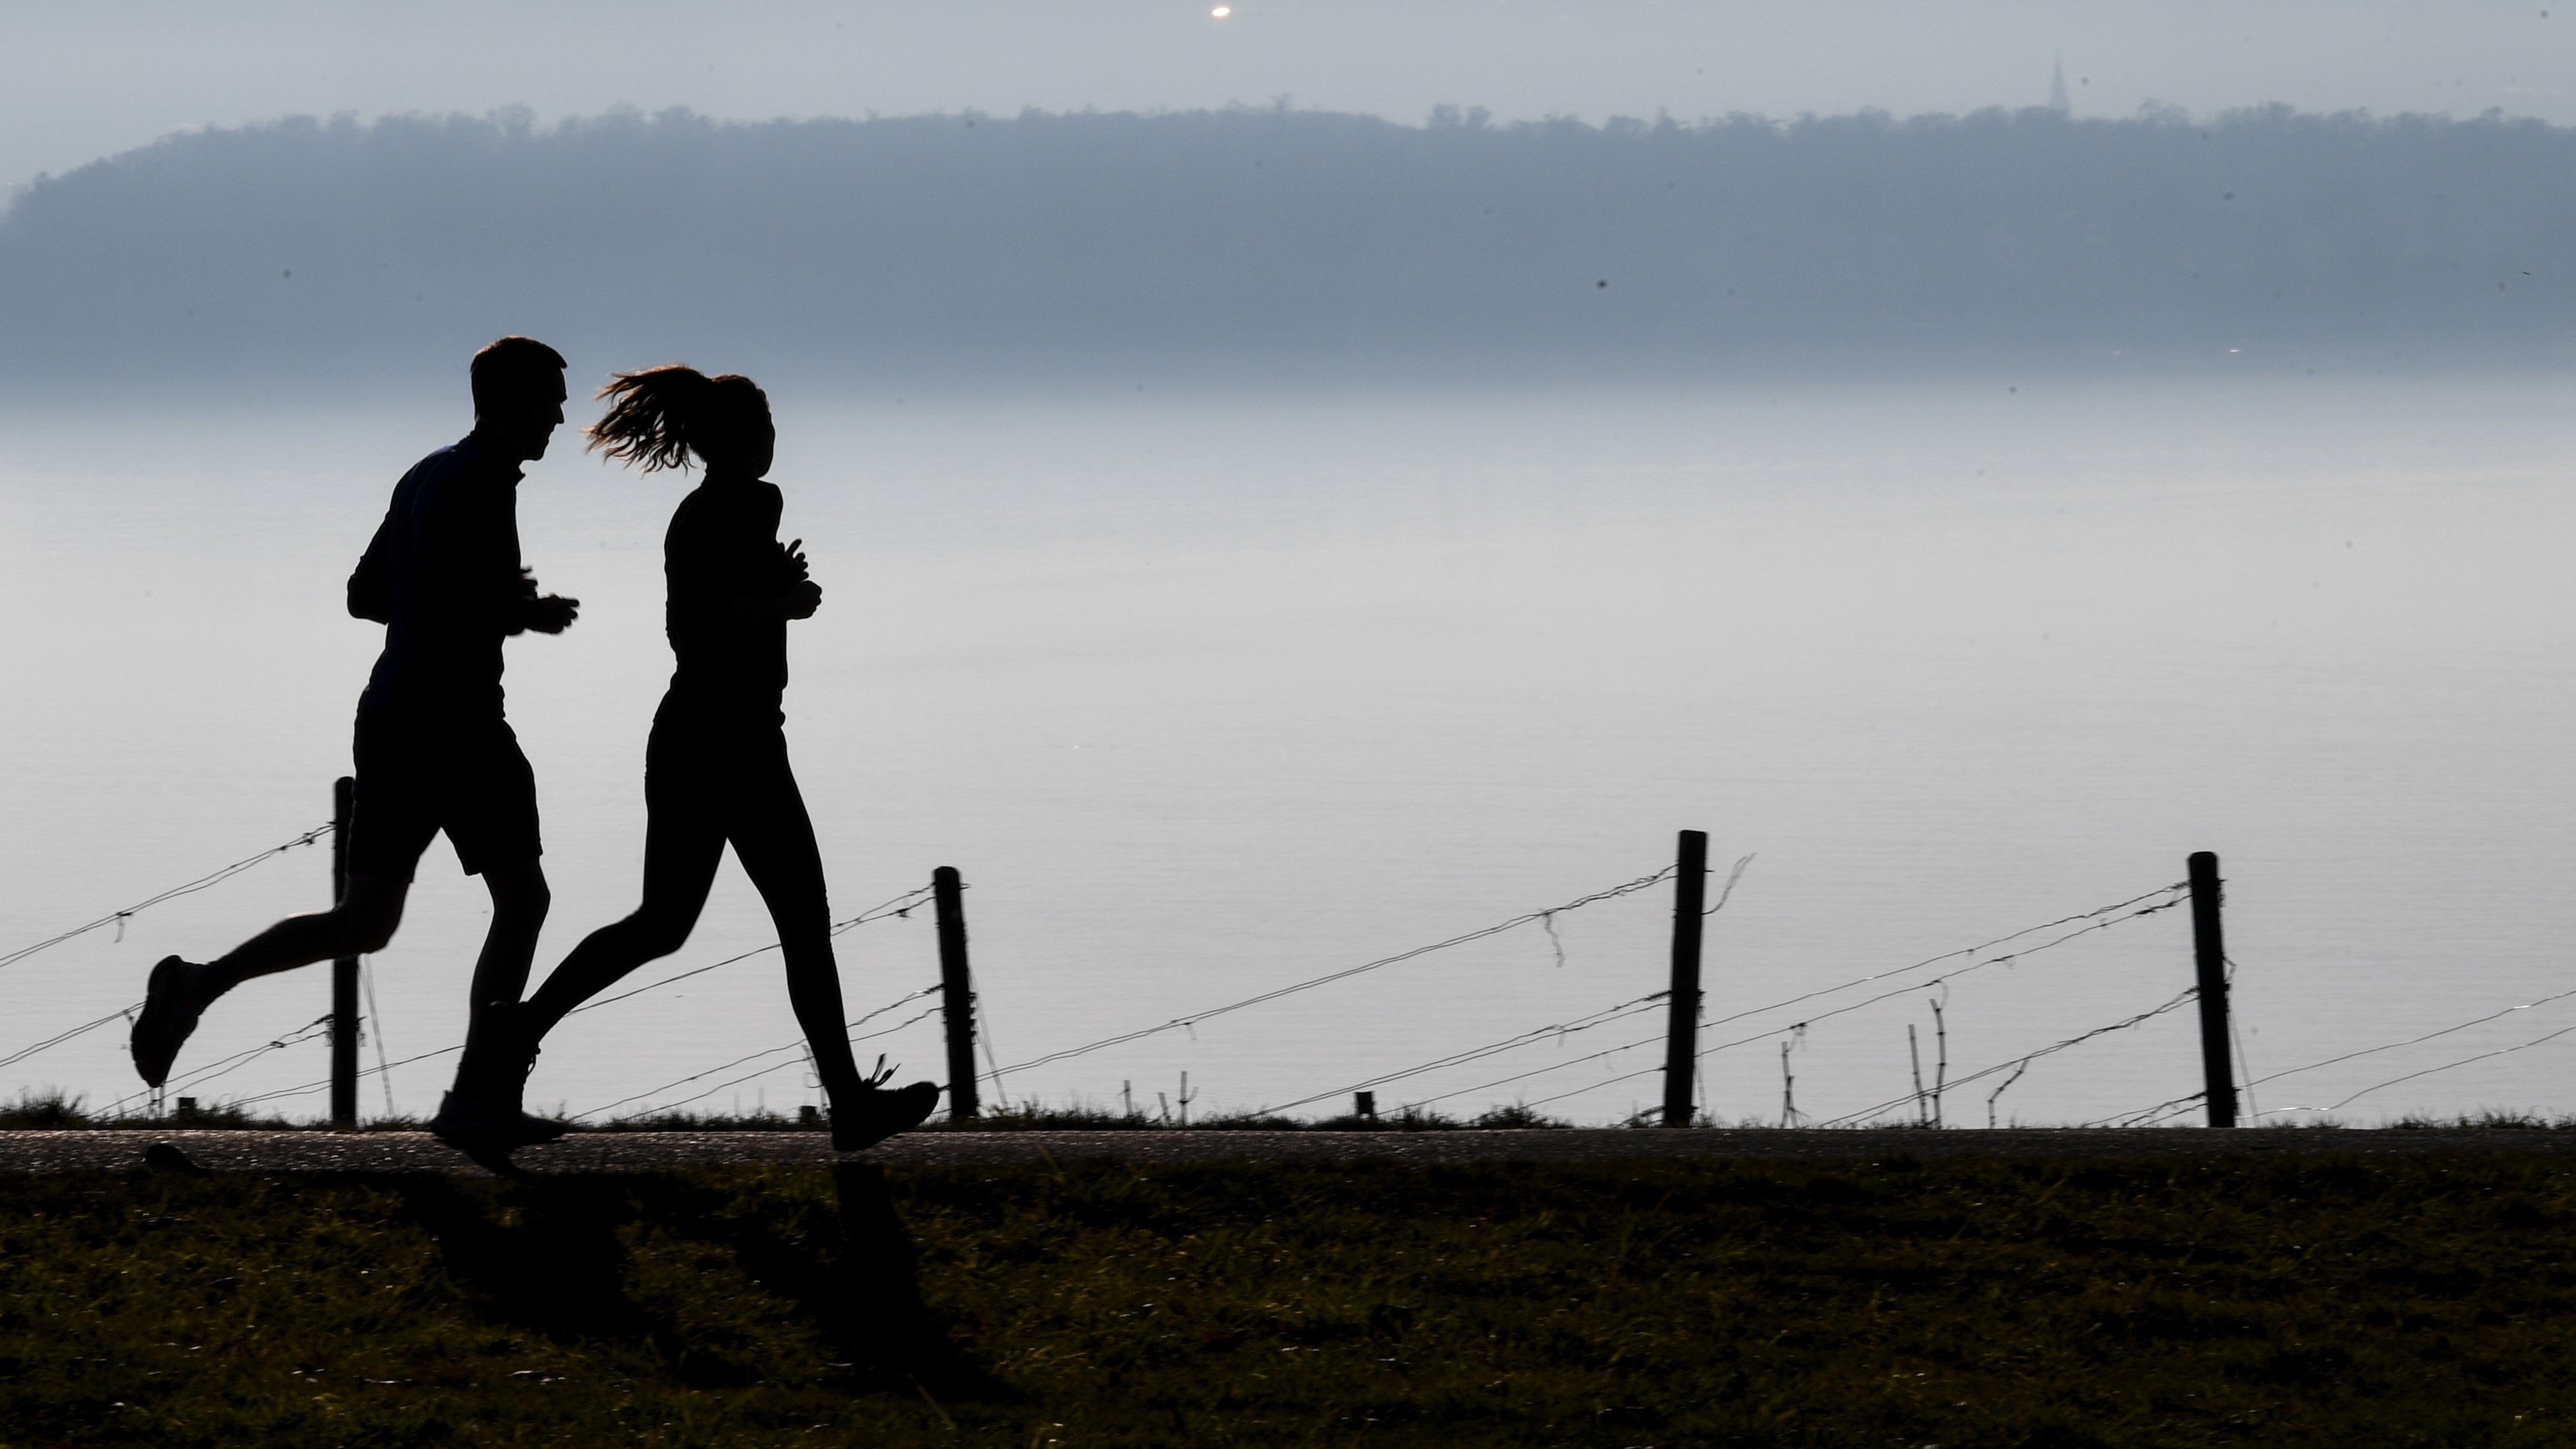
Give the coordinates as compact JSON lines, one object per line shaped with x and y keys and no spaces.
{"x":2298,"y":1301}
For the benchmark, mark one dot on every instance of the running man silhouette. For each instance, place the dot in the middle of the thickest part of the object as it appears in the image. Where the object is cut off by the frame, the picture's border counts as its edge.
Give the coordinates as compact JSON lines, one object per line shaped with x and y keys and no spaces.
{"x":433,"y":750}
{"x":715,"y":769}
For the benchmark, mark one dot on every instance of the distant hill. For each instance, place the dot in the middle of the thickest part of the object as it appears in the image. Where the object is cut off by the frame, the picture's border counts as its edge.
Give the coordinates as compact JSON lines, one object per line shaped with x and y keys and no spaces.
{"x":1253,"y":237}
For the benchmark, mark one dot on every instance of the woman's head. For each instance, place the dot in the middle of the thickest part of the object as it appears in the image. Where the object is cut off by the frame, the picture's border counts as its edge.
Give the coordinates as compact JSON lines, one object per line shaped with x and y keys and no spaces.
{"x":657,"y":417}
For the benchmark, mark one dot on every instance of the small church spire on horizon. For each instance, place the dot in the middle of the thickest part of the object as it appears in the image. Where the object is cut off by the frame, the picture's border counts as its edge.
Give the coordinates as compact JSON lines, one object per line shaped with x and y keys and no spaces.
{"x":2057,"y":87}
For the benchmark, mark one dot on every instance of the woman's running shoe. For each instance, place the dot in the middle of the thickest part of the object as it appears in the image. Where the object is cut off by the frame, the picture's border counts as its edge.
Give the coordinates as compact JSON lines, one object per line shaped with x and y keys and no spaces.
{"x":879,"y":1114}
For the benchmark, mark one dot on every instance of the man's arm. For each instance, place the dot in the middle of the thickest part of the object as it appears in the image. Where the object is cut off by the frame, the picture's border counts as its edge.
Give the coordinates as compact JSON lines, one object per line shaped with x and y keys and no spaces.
{"x":547,"y":613}
{"x":520,"y":607}
{"x":371,"y":589}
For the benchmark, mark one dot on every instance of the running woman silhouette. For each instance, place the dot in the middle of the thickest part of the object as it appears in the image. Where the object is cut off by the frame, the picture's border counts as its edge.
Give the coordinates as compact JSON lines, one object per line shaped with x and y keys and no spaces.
{"x":715,"y":769}
{"x":433,"y":749}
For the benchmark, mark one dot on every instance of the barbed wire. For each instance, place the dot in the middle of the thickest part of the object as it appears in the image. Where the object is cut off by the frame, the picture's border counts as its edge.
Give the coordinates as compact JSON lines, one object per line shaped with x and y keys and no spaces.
{"x":2150,"y":1116}
{"x":117,"y":918}
{"x":764,"y":1071}
{"x":2410,"y":1041}
{"x":1179,"y":1022}
{"x":2236,"y":1039}
{"x":1602,"y":1017}
{"x":58,"y":1038}
{"x":311,"y":1087}
{"x":2093,"y":915}
{"x":2430,"y":1071}
{"x":222,"y":1065}
{"x":901,"y":905}
{"x":1728,"y":889}
{"x":2187,"y":994}
{"x":773,"y":1051}
{"x":894,"y":906}
{"x":2100,"y":917}
{"x":319,"y":1026}
{"x":376,"y":1032}
{"x":2143,"y":1115}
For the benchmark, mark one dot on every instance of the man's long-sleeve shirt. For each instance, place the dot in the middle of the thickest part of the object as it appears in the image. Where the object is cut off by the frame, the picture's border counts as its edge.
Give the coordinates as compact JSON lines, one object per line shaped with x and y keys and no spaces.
{"x":443,"y":576}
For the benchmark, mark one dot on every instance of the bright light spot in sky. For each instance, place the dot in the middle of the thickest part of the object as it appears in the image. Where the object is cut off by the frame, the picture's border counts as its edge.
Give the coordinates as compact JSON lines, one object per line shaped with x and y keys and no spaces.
{"x":1222,"y":11}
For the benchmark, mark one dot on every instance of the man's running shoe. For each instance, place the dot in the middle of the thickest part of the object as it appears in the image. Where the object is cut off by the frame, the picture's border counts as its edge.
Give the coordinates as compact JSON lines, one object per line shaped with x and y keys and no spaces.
{"x":492,"y":1079}
{"x":488,"y":1131}
{"x":172,"y":1001}
{"x":879,"y":1114}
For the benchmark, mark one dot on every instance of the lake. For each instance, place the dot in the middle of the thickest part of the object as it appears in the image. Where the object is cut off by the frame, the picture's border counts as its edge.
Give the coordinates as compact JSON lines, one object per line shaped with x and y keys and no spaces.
{"x":1214,"y":692}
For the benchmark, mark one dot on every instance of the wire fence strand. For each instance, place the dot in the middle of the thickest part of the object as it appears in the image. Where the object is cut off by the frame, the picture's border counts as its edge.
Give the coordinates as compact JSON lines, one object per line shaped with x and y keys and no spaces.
{"x":894,"y":906}
{"x":901,"y":905}
{"x":1559,"y":1031}
{"x":2432,"y":1071}
{"x":1179,"y":1022}
{"x":60,"y":1037}
{"x":202,"y":882}
{"x":2100,"y":919}
{"x":751,"y":1076}
{"x":772,"y":1051}
{"x":2187,"y":995}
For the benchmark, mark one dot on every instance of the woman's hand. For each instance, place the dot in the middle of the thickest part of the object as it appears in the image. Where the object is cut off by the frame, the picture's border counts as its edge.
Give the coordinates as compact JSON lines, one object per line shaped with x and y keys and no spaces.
{"x":799,"y":602}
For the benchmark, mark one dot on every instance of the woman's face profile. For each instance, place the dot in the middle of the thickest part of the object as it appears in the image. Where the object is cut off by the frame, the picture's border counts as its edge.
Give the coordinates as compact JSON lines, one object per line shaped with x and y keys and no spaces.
{"x":749,"y":451}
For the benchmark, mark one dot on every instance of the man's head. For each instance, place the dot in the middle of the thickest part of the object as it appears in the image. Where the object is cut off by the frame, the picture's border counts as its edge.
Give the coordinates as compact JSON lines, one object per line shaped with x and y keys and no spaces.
{"x":518,"y":395}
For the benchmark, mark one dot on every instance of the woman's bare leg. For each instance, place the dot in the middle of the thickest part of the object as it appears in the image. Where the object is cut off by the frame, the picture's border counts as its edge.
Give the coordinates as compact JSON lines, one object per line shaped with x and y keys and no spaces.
{"x":680,"y":859}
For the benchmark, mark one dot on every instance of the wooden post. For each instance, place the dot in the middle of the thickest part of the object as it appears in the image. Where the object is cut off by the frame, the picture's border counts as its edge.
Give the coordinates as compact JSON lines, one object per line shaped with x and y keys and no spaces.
{"x":957,"y":992}
{"x":2209,"y":950}
{"x":1681,"y":1038}
{"x":344,"y":972}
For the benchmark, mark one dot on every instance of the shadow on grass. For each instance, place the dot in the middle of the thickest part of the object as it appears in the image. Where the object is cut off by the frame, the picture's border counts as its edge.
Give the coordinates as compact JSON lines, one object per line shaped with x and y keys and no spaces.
{"x":549,"y":1255}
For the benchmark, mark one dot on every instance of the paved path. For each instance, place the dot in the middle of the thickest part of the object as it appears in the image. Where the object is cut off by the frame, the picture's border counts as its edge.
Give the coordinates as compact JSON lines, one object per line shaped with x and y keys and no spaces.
{"x":660,"y":1151}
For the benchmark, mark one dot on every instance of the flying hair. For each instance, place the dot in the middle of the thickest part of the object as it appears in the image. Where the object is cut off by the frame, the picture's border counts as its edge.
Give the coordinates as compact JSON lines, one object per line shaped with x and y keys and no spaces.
{"x":658,"y":416}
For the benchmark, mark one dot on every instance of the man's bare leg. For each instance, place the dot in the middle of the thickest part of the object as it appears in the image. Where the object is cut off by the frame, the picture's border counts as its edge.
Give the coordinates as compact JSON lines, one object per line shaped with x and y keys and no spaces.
{"x":520,"y":900}
{"x":480,"y":1115}
{"x":180,"y":990}
{"x":359,"y":926}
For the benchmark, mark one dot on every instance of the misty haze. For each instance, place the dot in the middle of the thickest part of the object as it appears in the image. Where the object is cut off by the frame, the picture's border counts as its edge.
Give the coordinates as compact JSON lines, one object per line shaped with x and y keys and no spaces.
{"x":1041,"y":721}
{"x":1261,"y":541}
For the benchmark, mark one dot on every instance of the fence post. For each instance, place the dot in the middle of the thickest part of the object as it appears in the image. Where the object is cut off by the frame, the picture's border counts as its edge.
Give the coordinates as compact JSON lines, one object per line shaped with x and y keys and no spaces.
{"x":957,"y":993}
{"x":344,"y":971}
{"x":1681,"y":1039}
{"x":2209,"y":949}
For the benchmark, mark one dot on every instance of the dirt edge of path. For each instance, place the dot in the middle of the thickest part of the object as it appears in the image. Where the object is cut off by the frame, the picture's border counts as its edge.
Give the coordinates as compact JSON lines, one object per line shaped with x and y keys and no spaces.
{"x":317,"y":1151}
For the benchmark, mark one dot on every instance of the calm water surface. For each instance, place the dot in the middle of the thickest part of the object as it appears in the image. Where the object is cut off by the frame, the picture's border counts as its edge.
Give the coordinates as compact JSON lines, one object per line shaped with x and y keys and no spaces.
{"x":1206,"y":696}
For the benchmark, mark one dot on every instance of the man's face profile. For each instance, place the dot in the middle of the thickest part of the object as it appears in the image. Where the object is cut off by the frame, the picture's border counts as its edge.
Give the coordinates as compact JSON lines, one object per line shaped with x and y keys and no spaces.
{"x":526,"y":430}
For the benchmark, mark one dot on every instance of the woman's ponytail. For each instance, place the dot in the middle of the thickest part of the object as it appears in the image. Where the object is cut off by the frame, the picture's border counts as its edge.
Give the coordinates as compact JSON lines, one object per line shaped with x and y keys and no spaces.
{"x":650,"y":415}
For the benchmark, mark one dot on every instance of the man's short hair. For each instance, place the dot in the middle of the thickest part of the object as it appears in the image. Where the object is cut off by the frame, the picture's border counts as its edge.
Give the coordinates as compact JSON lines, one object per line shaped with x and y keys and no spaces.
{"x":512,"y":374}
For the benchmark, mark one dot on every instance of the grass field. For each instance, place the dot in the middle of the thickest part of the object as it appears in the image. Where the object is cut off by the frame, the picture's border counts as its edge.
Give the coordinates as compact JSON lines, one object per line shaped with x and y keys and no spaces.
{"x":2305,"y":1301}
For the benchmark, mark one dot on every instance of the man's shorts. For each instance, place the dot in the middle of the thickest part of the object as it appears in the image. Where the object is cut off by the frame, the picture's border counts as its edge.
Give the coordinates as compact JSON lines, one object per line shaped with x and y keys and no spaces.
{"x":418,"y":777}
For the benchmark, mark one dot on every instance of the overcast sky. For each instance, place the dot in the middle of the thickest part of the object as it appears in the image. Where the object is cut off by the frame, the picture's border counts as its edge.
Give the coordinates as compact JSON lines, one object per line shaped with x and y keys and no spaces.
{"x":80,"y":81}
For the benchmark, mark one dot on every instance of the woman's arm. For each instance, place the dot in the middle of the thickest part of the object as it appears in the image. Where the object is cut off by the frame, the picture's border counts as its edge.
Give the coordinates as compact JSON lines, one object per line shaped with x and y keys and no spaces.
{"x":797,"y":596}
{"x":798,"y":604}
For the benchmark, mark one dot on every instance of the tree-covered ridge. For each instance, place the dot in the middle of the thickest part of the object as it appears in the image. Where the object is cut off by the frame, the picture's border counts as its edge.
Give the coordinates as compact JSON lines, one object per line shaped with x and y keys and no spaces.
{"x":1259,"y":231}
